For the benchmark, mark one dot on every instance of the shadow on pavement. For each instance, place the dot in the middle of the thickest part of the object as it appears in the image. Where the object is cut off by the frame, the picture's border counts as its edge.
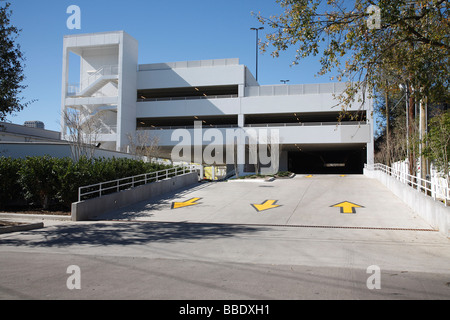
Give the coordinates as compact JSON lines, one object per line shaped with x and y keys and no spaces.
{"x":144,"y":208}
{"x":125,"y":233}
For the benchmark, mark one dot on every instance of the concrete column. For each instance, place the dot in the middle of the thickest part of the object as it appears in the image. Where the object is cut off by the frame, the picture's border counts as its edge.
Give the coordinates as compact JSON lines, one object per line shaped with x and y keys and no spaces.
{"x":241,"y":151}
{"x":241,"y":91}
{"x":65,"y":82}
{"x":126,"y":109}
{"x":241,"y":120}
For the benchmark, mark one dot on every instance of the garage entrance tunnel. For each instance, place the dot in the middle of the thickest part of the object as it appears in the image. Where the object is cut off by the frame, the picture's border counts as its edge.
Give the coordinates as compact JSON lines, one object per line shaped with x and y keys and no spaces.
{"x":320,"y":160}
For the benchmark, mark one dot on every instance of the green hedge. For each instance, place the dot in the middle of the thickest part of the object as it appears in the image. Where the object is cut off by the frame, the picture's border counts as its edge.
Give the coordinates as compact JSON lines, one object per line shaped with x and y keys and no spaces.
{"x":10,"y":188}
{"x":45,"y":181}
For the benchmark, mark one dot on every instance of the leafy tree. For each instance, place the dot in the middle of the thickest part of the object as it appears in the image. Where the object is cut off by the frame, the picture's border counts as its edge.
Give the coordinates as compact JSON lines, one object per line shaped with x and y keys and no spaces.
{"x":11,"y":66}
{"x":438,"y":142}
{"x":411,"y":44}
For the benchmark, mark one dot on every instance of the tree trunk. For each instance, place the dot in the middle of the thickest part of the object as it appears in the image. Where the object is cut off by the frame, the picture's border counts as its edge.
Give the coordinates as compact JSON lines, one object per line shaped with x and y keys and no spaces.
{"x":388,"y":131}
{"x":410,"y":115}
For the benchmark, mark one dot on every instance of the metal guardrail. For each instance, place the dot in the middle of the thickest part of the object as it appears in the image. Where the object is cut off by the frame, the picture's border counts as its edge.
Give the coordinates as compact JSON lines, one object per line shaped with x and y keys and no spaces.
{"x":189,"y":64}
{"x":296,"y":89}
{"x":188,"y":127}
{"x":107,"y":130}
{"x":73,"y":89}
{"x":103,"y":188}
{"x":308,"y":124}
{"x":262,"y":125}
{"x":428,"y":187}
{"x":223,"y":96}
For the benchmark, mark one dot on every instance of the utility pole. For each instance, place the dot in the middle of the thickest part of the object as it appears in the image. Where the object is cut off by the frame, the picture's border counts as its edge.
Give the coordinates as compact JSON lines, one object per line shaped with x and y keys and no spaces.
{"x":257,"y":51}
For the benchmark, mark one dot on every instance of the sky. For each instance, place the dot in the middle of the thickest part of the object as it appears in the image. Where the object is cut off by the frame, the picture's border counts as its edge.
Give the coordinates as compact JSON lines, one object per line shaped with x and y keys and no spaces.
{"x":167,"y":31}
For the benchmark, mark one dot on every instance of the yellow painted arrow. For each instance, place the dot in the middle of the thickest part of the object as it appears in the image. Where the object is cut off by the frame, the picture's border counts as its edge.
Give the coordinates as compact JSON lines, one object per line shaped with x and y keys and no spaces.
{"x":266,"y":205}
{"x":309,"y":176}
{"x":191,"y":202}
{"x":347,"y":207}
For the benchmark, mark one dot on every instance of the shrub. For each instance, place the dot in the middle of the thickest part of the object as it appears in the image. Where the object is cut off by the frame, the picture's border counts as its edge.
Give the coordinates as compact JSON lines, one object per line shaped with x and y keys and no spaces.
{"x":283,"y":174}
{"x":39,"y":179}
{"x":46,"y":181}
{"x":10,"y":188}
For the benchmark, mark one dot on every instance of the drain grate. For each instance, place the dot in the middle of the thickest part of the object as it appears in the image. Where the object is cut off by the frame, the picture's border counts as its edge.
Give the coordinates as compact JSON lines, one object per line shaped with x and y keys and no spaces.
{"x":289,"y":225}
{"x":333,"y":227}
{"x":346,"y":227}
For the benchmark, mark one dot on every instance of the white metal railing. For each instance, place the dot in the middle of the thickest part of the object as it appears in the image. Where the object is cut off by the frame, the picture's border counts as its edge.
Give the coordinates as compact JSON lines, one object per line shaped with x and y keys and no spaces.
{"x":309,"y":124}
{"x":112,"y":70}
{"x":100,"y":189}
{"x":261,"y":125}
{"x":107,"y":130}
{"x":75,"y":88}
{"x":435,"y":188}
{"x":222,"y":96}
{"x":189,"y":64}
{"x":188,"y":127}
{"x":295,"y":89}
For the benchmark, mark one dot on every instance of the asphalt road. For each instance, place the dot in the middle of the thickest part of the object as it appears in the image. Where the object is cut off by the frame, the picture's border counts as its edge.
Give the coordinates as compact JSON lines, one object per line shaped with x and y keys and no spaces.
{"x":221,"y":247}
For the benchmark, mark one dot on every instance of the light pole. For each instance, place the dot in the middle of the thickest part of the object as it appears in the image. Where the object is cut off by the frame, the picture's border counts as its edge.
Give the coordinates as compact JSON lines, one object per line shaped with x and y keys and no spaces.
{"x":257,"y":51}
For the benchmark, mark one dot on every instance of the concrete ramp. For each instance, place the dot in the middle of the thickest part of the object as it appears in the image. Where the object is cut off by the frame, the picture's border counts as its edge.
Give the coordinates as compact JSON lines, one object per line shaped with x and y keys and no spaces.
{"x":316,"y":201}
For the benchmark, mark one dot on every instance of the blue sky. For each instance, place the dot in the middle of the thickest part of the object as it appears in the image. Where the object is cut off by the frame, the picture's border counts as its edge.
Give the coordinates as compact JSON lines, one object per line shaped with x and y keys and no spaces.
{"x":167,"y":31}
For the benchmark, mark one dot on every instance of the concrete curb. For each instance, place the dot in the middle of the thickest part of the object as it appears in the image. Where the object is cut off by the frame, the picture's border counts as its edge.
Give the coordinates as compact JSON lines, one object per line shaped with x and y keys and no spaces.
{"x":21,"y":227}
{"x":288,"y":177}
{"x":252,"y":180}
{"x":43,"y":217}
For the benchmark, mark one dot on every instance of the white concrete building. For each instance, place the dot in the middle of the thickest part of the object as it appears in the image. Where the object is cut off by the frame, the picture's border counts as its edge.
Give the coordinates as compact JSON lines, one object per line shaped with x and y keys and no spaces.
{"x":157,"y":99}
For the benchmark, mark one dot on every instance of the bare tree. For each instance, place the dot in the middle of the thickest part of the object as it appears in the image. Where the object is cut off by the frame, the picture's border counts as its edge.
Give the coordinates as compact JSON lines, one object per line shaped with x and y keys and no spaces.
{"x":142,"y":144}
{"x":399,"y":145}
{"x":83,"y":130}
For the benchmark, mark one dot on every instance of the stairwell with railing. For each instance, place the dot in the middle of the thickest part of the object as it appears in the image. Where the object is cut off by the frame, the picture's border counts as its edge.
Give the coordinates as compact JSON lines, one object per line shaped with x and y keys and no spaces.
{"x":100,"y":83}
{"x":95,"y":82}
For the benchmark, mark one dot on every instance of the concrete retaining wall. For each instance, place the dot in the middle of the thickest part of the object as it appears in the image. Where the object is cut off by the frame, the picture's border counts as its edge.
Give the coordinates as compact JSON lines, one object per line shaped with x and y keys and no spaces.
{"x":434,"y":212}
{"x":90,"y":209}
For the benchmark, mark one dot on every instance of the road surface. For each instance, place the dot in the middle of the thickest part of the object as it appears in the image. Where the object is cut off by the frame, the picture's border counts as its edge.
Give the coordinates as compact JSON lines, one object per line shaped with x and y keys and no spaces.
{"x":221,"y":246}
